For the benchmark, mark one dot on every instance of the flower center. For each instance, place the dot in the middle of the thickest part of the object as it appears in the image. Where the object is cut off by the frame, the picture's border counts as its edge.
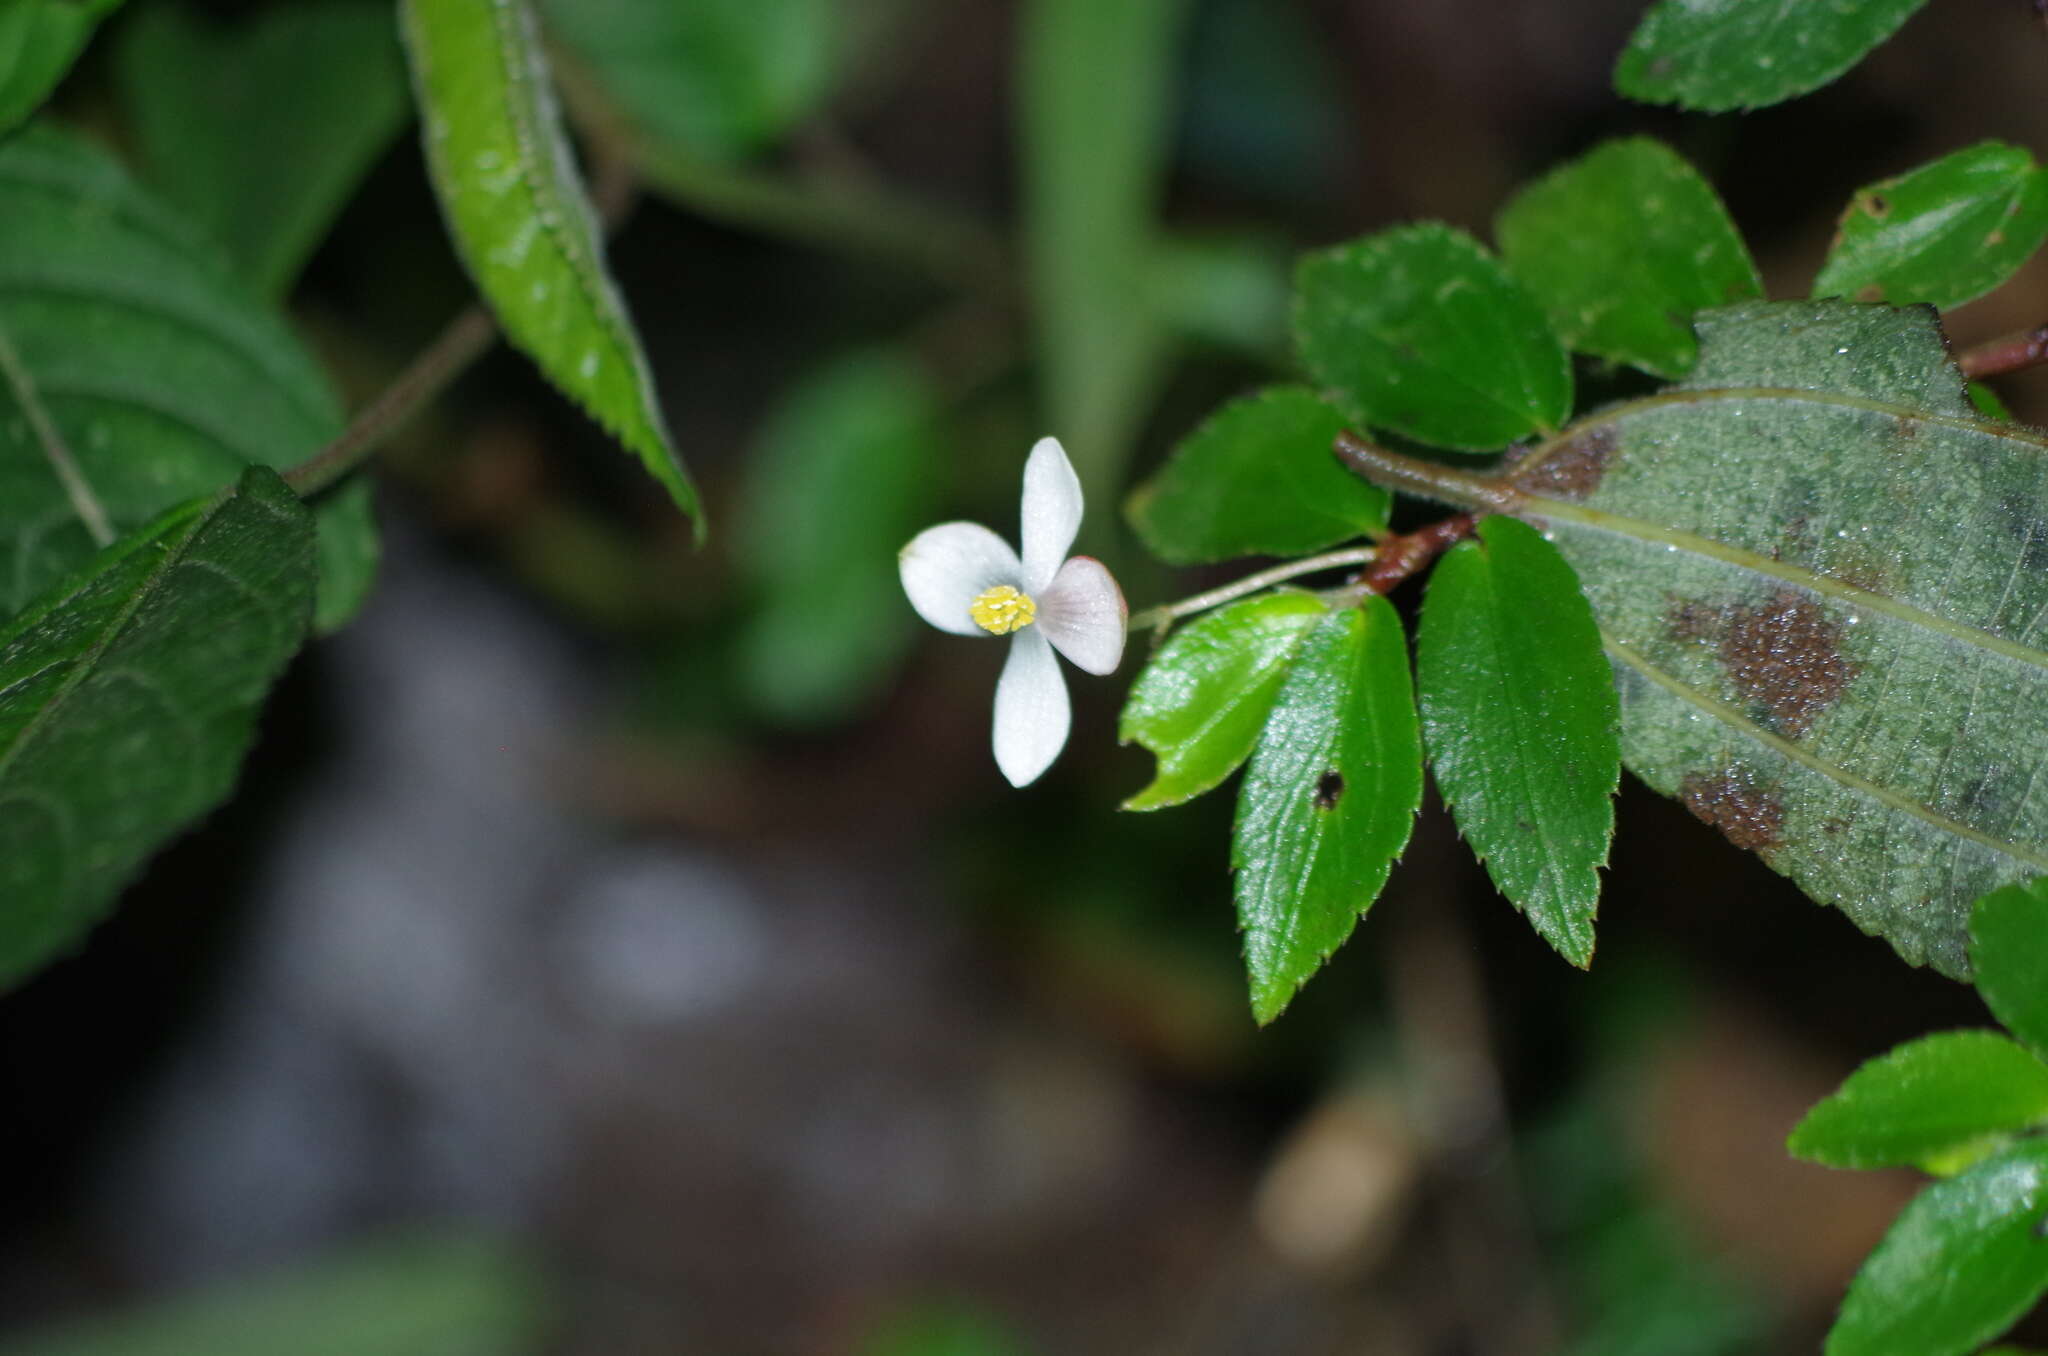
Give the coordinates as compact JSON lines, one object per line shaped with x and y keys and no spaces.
{"x":1002,"y":609}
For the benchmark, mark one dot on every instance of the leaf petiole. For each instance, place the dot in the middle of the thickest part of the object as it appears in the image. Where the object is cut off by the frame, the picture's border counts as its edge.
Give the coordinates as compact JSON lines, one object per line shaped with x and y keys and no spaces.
{"x":1158,"y":618}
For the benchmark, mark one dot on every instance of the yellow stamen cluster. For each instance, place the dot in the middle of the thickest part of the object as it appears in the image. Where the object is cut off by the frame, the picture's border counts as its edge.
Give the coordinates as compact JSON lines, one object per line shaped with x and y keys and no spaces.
{"x":1002,"y":609}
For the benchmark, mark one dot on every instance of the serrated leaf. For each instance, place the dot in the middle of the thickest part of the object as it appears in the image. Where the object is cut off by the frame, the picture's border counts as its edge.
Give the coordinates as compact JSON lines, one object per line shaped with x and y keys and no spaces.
{"x":2009,"y":948}
{"x":1621,"y":247}
{"x":1328,"y":800}
{"x":259,"y":133}
{"x":39,"y":39}
{"x":1202,"y":700}
{"x":841,"y":480}
{"x":1519,"y":716}
{"x":1716,"y":55}
{"x":1821,"y":579}
{"x":1421,"y":331}
{"x":721,"y":79}
{"x":128,"y":695}
{"x":1959,"y":1265}
{"x":1944,"y":234}
{"x":1257,"y":478}
{"x":516,"y":210}
{"x":1925,"y":1103}
{"x":128,"y":350}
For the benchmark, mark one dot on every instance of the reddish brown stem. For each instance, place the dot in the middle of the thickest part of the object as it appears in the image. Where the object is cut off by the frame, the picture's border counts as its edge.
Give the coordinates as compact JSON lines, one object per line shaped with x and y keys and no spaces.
{"x":1402,"y":556}
{"x":2010,"y":354}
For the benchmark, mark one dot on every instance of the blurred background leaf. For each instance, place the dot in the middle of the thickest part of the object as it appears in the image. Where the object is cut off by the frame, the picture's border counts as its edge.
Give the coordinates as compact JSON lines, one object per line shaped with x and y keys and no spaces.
{"x":39,"y":39}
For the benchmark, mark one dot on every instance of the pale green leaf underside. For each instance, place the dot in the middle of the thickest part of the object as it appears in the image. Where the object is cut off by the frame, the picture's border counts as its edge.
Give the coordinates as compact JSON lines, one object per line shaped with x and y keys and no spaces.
{"x":519,"y":218}
{"x":127,"y":697}
{"x":157,"y":373}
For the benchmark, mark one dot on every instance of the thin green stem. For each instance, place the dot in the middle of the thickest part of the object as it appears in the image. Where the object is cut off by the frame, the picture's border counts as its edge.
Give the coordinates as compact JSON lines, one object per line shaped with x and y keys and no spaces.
{"x":1166,"y":613}
{"x":84,"y":502}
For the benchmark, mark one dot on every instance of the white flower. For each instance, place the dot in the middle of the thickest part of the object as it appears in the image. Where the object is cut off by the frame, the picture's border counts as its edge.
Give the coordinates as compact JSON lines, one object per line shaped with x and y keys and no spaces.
{"x":963,"y":578}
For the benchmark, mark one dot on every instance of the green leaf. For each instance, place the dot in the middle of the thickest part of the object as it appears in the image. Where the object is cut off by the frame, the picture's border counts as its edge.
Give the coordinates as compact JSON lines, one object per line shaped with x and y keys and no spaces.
{"x":516,"y":209}
{"x":128,"y":695}
{"x":260,"y":133}
{"x":1715,"y":55}
{"x":1257,"y":478}
{"x":841,"y":480}
{"x":1095,"y":86}
{"x":1328,"y":800}
{"x":2009,"y":947}
{"x":1621,"y":247}
{"x":39,"y":39}
{"x":1944,"y":234}
{"x":1201,"y":702}
{"x":1987,"y":403}
{"x":1519,"y":714}
{"x":723,"y":79}
{"x":424,"y":1296}
{"x":1958,"y":1266}
{"x":1421,"y":331}
{"x":1930,"y":1100}
{"x":1820,"y":576}
{"x":128,"y":351}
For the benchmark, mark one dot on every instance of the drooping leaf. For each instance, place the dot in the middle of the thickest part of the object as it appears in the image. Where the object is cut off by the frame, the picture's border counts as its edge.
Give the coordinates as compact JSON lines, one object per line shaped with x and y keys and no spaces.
{"x":39,"y":39}
{"x":1926,"y":1104}
{"x":1820,"y":577}
{"x":1944,"y":234}
{"x":260,"y":133}
{"x":1095,"y":84}
{"x":1328,"y":799}
{"x":421,"y":1296}
{"x":841,"y":480}
{"x":1958,"y":1266}
{"x":1715,"y":55}
{"x":128,"y":694}
{"x":716,"y":78}
{"x":1519,"y":715}
{"x":1204,"y":697}
{"x":2009,"y":947}
{"x":1257,"y":479}
{"x":135,"y":367}
{"x":1621,"y":247}
{"x":1421,"y":331}
{"x":519,"y":218}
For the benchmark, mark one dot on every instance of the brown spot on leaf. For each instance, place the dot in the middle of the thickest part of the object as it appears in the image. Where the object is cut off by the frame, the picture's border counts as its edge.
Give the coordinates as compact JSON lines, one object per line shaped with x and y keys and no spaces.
{"x":1746,"y":815}
{"x":1870,"y":292}
{"x":1329,"y":788}
{"x":1690,"y":619}
{"x":1575,"y":467}
{"x":1877,"y":205}
{"x":1785,"y":657}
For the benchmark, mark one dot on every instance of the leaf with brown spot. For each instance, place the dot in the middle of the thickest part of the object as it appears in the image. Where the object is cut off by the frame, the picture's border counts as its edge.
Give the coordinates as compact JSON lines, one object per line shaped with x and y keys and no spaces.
{"x":1818,"y":575}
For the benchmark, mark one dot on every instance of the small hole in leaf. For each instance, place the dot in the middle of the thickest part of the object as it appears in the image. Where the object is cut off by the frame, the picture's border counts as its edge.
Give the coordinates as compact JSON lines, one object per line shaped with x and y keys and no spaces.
{"x":1329,"y":787}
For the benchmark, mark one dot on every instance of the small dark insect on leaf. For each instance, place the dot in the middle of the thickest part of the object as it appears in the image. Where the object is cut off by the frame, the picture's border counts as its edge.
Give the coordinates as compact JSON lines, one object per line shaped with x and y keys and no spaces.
{"x":1329,"y":787}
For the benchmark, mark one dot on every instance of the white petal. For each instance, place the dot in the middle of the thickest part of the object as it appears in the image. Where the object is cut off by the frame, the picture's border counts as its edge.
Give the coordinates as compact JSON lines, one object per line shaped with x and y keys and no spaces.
{"x":1051,"y":512}
{"x":1082,"y":614}
{"x":1032,"y":714}
{"x":944,"y":567}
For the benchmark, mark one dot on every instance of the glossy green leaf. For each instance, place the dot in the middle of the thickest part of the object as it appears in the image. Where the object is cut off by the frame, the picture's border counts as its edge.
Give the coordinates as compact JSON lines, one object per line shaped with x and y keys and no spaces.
{"x":516,"y":209}
{"x":259,"y":133}
{"x":39,"y":39}
{"x":1823,"y":581}
{"x":1257,"y":478}
{"x":1927,"y":1101}
{"x":842,"y":479}
{"x":128,"y":695}
{"x":1519,"y":715}
{"x":1328,"y":800}
{"x":1204,"y":696}
{"x":1715,"y":55}
{"x":1095,"y":85}
{"x":1421,"y":331}
{"x":716,"y":78}
{"x":1944,"y":234}
{"x":2009,"y":948}
{"x":1621,"y":247}
{"x":129,"y":352}
{"x":425,"y":1296}
{"x":1958,"y":1266}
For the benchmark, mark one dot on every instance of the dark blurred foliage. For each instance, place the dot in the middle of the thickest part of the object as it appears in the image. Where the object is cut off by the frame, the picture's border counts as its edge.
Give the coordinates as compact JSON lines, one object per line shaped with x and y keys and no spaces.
{"x":768,"y":1040}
